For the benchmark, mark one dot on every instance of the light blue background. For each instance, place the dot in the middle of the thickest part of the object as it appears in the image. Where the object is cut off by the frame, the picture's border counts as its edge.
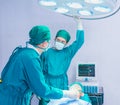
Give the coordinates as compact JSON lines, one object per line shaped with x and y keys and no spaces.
{"x":102,"y":40}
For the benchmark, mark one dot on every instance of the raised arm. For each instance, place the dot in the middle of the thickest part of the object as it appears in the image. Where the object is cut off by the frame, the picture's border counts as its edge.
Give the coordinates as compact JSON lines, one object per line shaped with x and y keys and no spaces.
{"x":79,"y":22}
{"x":76,"y":45}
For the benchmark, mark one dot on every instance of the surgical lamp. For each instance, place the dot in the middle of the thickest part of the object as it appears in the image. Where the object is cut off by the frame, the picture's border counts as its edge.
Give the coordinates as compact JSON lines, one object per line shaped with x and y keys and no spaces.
{"x":86,"y":9}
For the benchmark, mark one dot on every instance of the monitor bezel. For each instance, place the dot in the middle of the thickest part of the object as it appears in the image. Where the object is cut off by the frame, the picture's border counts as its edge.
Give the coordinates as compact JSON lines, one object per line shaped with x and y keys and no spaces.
{"x":85,"y":78}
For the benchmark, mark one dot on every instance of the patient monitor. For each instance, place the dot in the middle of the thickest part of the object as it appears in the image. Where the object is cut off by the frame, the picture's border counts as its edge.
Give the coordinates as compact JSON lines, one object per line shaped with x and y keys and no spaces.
{"x":86,"y":74}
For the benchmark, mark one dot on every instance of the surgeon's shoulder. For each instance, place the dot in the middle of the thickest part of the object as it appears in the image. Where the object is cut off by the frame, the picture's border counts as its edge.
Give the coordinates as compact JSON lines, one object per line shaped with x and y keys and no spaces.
{"x":28,"y":52}
{"x":49,"y":50}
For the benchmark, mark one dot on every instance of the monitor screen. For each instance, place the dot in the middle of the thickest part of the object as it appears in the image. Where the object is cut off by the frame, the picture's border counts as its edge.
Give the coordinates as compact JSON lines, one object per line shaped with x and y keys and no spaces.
{"x":85,"y":72}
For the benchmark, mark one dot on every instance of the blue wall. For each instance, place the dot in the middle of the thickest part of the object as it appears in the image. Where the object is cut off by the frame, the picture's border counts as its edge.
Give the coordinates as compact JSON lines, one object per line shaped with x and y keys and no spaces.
{"x":102,"y":40}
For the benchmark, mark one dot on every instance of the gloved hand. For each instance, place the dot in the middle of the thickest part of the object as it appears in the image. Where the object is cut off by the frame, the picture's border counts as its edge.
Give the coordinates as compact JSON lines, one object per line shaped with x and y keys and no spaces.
{"x":78,"y":88}
{"x":79,"y":22}
{"x":38,"y":97}
{"x":74,"y":94}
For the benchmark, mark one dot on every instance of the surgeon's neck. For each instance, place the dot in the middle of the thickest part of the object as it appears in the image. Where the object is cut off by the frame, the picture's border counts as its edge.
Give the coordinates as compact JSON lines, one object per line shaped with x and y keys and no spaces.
{"x":39,"y":50}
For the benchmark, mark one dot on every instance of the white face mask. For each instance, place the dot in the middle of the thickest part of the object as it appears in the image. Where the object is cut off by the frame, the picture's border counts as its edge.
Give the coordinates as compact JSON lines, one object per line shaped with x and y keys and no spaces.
{"x":59,"y":45}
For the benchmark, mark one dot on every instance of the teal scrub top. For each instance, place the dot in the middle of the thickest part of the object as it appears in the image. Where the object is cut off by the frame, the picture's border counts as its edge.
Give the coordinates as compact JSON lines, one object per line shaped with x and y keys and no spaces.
{"x":22,"y":76}
{"x":57,"y":62}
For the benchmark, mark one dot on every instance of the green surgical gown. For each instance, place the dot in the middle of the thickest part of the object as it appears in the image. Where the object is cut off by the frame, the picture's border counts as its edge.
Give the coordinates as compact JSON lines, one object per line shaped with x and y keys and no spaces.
{"x":22,"y":76}
{"x":57,"y":62}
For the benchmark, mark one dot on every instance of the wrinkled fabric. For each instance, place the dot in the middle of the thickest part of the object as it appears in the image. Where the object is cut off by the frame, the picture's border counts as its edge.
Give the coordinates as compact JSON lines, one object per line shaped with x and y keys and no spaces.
{"x":23,"y":76}
{"x":79,"y":87}
{"x":57,"y":62}
{"x":68,"y":101}
{"x":39,"y":34}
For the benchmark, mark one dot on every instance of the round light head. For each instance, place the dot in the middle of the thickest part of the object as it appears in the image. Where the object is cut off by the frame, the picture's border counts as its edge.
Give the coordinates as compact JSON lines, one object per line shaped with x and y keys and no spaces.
{"x":85,"y":12}
{"x":74,"y":5}
{"x":102,"y":9}
{"x":94,"y":1}
{"x":47,"y":3}
{"x":61,"y":10}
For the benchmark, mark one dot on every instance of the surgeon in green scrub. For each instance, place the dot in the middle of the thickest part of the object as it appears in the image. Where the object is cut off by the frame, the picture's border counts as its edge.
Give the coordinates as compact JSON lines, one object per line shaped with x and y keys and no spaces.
{"x":58,"y":58}
{"x":23,"y":75}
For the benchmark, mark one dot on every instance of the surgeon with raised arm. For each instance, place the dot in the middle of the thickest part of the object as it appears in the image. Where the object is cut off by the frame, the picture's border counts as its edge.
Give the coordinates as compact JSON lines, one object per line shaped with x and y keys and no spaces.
{"x":58,"y":58}
{"x":23,"y":73}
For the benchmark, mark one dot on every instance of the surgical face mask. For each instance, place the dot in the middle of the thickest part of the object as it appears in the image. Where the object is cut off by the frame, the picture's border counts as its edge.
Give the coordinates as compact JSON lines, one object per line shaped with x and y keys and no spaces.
{"x":59,"y":45}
